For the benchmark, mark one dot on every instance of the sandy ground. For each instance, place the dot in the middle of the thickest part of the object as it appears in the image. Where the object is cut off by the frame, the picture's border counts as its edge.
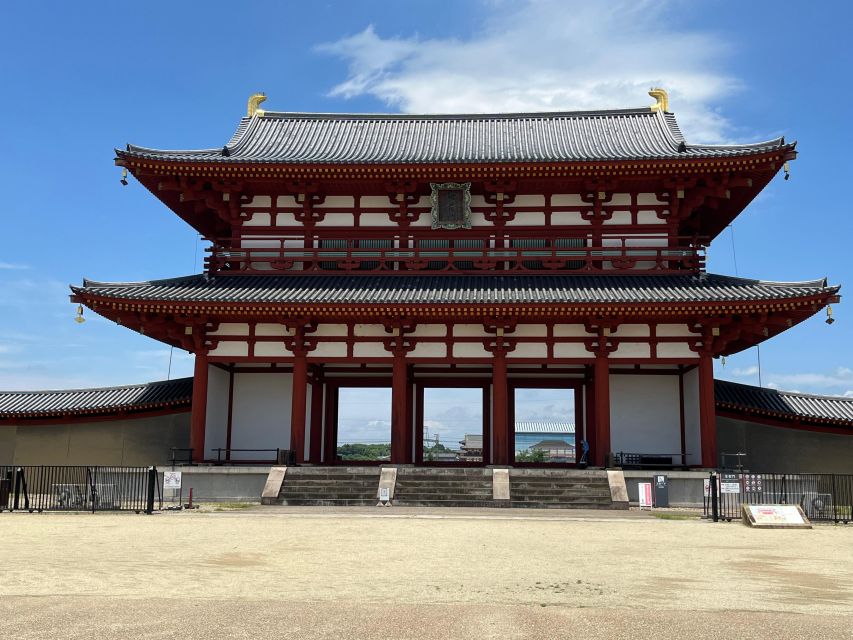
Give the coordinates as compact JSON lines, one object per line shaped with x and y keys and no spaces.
{"x":393,"y":573}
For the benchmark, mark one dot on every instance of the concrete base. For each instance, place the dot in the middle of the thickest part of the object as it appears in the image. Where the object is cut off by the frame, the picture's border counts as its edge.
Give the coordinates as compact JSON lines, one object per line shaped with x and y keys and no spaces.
{"x":685,"y":487}
{"x":221,"y":484}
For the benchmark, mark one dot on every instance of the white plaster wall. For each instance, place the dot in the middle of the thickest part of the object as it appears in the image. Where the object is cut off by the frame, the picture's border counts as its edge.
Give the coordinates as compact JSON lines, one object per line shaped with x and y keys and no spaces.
{"x":287,"y":201}
{"x":692,"y":435}
{"x":648,"y":217}
{"x":261,"y":412}
{"x":258,"y":219}
{"x":336,"y":220}
{"x":619,"y":217}
{"x":330,"y":330}
{"x":632,"y":350}
{"x":272,"y":350}
{"x":260,"y":201}
{"x":569,"y":331}
{"x":527,"y":218}
{"x":231,"y":329}
{"x":676,"y":350}
{"x":568,"y":218}
{"x":632,"y":331}
{"x":370,"y":350}
{"x":216,"y":420}
{"x":370,"y":330}
{"x":567,"y":200}
{"x":644,"y":414}
{"x":529,"y":350}
{"x":648,"y":198}
{"x":469,"y":331}
{"x":231,"y":349}
{"x":529,"y":331}
{"x":429,"y":350}
{"x":470,"y":350}
{"x":329,"y":350}
{"x":571,"y":350}
{"x":673,"y":330}
{"x":430,"y":331}
{"x":269,"y":329}
{"x":336,"y":202}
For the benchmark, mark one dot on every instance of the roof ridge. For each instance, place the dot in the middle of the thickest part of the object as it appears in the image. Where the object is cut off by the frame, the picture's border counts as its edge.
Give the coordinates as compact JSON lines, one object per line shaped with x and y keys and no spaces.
{"x":499,"y":115}
{"x":93,"y":389}
{"x":798,"y":394}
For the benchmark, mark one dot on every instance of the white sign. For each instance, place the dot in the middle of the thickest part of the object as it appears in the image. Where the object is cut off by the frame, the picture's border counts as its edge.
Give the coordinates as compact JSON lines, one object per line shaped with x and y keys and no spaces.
{"x":730,"y":487}
{"x":776,"y":516}
{"x":706,"y":488}
{"x":171,"y":479}
{"x":645,"y":494}
{"x":384,"y":494}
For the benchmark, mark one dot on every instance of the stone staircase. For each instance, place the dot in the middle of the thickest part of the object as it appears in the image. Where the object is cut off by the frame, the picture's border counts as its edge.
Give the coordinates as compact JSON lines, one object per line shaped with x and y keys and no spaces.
{"x":559,"y":489}
{"x":443,"y":487}
{"x":330,"y":486}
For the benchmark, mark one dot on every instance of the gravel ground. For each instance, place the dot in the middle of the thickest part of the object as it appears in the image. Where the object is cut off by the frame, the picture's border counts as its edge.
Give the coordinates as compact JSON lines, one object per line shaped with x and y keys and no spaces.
{"x":395,"y":573}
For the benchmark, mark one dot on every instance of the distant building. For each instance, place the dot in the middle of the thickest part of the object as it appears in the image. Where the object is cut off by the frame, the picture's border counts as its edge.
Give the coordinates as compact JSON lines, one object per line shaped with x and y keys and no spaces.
{"x":471,"y":448}
{"x":528,"y":434}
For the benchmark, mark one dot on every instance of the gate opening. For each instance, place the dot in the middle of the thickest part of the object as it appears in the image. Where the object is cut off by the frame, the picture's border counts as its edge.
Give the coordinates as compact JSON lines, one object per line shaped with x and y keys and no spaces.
{"x":364,"y":424}
{"x":544,"y":425}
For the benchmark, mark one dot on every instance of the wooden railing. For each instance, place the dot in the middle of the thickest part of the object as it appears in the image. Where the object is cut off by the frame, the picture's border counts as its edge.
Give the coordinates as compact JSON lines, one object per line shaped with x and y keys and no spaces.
{"x":459,"y":253}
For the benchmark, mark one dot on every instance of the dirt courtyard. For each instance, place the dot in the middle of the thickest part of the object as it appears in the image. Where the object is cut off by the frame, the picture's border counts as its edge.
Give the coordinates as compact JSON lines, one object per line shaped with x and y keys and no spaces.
{"x":401,"y":573}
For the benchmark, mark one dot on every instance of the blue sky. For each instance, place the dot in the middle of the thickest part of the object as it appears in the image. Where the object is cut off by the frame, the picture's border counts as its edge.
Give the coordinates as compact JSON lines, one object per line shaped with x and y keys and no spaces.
{"x":79,"y":79}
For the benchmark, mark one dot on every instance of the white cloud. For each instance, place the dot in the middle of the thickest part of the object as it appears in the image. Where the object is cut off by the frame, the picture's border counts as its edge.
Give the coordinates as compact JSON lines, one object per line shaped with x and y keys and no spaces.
{"x":548,"y":55}
{"x":11,"y":266}
{"x":744,"y":373}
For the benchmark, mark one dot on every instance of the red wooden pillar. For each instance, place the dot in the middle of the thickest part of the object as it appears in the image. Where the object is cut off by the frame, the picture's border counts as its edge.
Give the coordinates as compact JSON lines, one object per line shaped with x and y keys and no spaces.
{"x":297,"y":413}
{"x":198,"y":419}
{"x":589,"y":414}
{"x":316,"y":437}
{"x":500,"y":421}
{"x":707,"y":412}
{"x":401,"y":449}
{"x":602,"y":409}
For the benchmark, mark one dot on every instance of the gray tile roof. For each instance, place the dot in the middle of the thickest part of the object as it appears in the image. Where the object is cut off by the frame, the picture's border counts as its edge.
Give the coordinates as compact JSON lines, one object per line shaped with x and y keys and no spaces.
{"x":323,"y":138}
{"x":109,"y":400}
{"x":478,"y":289}
{"x":745,"y":398}
{"x":544,"y":427}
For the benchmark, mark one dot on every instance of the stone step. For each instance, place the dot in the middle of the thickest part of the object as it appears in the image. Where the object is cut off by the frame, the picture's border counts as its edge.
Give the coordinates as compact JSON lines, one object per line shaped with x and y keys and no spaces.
{"x":561,"y":490}
{"x":322,"y":502}
{"x":450,"y":502}
{"x":560,"y":505}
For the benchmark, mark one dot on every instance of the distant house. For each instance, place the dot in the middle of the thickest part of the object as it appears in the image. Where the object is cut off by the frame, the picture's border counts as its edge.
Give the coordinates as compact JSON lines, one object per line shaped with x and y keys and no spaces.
{"x":555,"y":450}
{"x":529,"y":434}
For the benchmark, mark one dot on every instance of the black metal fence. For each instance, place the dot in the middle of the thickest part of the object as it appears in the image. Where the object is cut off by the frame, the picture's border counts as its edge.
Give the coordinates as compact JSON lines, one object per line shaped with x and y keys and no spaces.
{"x":78,"y":488}
{"x":824,"y":497}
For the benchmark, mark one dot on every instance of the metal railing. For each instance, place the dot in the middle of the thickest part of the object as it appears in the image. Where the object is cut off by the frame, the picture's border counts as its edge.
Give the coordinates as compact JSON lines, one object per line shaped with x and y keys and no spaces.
{"x":79,"y":488}
{"x":181,"y":456}
{"x":462,"y":253}
{"x":628,"y":460}
{"x":282,"y":456}
{"x":824,"y":497}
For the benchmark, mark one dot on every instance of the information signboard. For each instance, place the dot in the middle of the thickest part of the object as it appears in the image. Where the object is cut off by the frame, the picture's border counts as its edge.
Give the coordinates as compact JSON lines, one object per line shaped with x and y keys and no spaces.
{"x":729,"y":483}
{"x":645,"y":494}
{"x":775,"y":516}
{"x":171,"y":479}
